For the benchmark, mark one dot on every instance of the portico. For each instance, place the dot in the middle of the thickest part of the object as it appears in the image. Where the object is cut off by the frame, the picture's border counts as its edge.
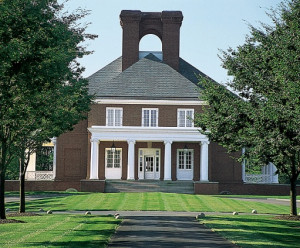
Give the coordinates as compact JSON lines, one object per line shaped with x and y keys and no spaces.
{"x":147,"y":164}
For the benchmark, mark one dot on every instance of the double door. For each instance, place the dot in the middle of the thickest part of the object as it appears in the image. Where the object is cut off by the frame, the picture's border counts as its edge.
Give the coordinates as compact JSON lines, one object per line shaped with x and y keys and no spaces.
{"x":149,"y":164}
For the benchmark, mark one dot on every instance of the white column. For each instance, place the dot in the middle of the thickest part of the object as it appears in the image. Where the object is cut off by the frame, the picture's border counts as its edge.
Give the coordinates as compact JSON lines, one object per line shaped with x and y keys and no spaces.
{"x":130,"y":166}
{"x":204,"y":161}
{"x":94,"y":158}
{"x":167,"y":175}
{"x":54,"y":141}
{"x":274,"y":175}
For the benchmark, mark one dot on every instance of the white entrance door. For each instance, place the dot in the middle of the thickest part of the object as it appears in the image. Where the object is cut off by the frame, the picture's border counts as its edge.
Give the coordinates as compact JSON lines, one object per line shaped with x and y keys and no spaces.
{"x":149,"y":167}
{"x":113,"y":164}
{"x":149,"y":163}
{"x":185,"y":164}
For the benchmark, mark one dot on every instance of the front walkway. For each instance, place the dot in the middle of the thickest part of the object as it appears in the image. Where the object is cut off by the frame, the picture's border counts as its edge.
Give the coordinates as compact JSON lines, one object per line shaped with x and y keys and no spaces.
{"x":174,"y":230}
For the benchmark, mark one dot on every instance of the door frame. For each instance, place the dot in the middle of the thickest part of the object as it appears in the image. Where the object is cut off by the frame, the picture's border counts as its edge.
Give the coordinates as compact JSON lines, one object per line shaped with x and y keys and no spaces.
{"x":185,"y":174}
{"x":113,"y":173}
{"x":149,"y":152}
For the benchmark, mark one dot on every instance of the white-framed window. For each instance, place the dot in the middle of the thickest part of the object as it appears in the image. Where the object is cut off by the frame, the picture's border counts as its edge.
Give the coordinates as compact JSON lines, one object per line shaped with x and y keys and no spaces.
{"x":114,"y":117}
{"x":185,"y":118}
{"x":185,"y":160}
{"x":149,"y":117}
{"x":113,"y":159}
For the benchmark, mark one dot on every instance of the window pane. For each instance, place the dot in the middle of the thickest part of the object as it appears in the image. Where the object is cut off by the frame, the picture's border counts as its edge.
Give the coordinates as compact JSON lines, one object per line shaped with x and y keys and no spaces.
{"x":153,"y":118}
{"x":117,"y":159}
{"x":146,"y":118}
{"x":181,"y":116}
{"x":109,"y":159}
{"x":141,"y":163}
{"x":110,"y":117}
{"x":118,"y":117}
{"x":188,"y":160}
{"x":180,"y":160}
{"x":189,"y":118}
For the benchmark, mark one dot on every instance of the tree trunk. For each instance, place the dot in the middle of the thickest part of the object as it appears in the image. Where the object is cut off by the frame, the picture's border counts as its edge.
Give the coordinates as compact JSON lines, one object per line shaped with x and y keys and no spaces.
{"x":293,"y":195}
{"x":2,"y":192}
{"x":22,"y":184}
{"x":2,"y":180}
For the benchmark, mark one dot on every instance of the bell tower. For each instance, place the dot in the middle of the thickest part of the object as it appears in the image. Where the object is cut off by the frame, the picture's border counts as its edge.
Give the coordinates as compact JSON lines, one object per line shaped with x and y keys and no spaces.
{"x":136,"y":24}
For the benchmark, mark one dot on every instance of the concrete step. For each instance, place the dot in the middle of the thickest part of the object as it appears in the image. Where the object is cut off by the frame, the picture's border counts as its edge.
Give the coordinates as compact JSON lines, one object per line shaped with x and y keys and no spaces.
{"x":184,"y":187}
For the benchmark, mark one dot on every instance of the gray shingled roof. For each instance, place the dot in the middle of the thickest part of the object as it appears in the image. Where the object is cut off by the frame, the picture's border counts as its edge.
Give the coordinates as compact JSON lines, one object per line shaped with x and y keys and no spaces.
{"x":149,"y":78}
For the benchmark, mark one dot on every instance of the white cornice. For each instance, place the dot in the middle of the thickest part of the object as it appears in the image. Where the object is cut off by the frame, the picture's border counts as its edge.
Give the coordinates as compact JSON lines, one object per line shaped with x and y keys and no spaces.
{"x":149,"y":102}
{"x":147,"y":134}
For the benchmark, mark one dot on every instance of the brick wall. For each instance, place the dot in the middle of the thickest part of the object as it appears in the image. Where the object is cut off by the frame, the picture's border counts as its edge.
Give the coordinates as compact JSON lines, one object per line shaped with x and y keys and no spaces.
{"x":222,"y":167}
{"x":214,"y":188}
{"x":72,"y":148}
{"x":132,"y":114}
{"x":13,"y":185}
{"x":165,"y":25}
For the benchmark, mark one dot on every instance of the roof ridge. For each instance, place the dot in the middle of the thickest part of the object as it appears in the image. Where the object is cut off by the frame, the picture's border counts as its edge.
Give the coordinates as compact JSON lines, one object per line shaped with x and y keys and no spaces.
{"x":105,"y":67}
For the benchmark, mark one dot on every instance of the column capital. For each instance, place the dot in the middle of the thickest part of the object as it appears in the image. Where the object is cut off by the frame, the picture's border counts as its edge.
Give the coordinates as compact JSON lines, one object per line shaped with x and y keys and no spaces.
{"x":205,"y":142}
{"x":129,"y":141}
{"x":93,"y":139}
{"x":168,"y":142}
{"x":54,"y":140}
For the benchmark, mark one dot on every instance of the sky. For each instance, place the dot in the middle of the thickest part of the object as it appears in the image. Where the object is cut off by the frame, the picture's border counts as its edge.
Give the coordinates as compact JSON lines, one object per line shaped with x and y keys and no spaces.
{"x":208,"y":26}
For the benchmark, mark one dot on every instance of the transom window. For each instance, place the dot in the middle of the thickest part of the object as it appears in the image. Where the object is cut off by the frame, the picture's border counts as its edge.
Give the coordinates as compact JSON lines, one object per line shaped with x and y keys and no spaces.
{"x":185,"y":117}
{"x":185,"y":159}
{"x":113,"y":159}
{"x":150,"y":117}
{"x":114,"y":117}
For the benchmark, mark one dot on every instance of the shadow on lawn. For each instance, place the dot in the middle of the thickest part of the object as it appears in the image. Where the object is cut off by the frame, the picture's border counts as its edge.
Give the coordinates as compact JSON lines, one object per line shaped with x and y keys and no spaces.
{"x":35,"y":205}
{"x":266,"y":231}
{"x":86,"y":240}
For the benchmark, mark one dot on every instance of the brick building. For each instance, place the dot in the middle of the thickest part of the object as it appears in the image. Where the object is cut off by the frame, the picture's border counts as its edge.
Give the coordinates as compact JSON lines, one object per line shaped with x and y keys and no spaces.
{"x":140,"y":126}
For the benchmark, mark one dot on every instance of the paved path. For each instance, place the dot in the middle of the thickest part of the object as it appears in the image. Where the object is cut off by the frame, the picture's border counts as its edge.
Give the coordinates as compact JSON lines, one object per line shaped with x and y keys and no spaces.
{"x":143,"y":229}
{"x":285,"y":202}
{"x":16,"y":198}
{"x":166,"y":231}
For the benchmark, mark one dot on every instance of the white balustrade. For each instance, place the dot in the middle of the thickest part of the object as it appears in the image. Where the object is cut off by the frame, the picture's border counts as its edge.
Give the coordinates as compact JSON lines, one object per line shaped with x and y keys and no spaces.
{"x":39,"y":175}
{"x":258,"y":178}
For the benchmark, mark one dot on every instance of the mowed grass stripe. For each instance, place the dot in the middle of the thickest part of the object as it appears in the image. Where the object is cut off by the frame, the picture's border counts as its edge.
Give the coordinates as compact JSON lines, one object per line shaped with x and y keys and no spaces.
{"x":161,"y":202}
{"x":250,"y":231}
{"x":174,"y":201}
{"x":59,"y":231}
{"x":155,"y":201}
{"x":37,"y":232}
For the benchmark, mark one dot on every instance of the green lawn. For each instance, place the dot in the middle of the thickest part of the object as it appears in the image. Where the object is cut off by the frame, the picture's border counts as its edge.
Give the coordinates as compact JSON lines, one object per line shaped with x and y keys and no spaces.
{"x":255,"y":231}
{"x":259,"y":196}
{"x":150,"y":201}
{"x":58,"y":231}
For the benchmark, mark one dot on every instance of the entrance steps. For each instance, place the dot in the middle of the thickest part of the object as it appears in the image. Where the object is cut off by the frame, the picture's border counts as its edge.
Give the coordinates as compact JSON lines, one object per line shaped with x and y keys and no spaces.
{"x":115,"y":186}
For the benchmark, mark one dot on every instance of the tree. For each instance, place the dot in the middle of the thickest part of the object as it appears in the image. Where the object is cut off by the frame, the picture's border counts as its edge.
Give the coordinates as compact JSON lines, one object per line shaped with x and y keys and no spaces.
{"x":263,"y":114}
{"x":69,"y":104}
{"x":40,"y":78}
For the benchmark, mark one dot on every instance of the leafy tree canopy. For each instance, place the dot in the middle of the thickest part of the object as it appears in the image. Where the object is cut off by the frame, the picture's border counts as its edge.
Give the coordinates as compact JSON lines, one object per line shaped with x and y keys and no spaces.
{"x":42,"y":90}
{"x":263,"y":114}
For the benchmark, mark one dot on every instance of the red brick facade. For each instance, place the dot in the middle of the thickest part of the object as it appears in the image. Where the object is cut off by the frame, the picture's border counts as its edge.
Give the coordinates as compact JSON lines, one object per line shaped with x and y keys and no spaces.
{"x":82,"y":154}
{"x":137,"y":24}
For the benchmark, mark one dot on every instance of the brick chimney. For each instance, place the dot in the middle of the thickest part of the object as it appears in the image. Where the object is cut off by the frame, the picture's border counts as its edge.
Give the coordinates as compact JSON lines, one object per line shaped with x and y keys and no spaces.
{"x":136,"y":24}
